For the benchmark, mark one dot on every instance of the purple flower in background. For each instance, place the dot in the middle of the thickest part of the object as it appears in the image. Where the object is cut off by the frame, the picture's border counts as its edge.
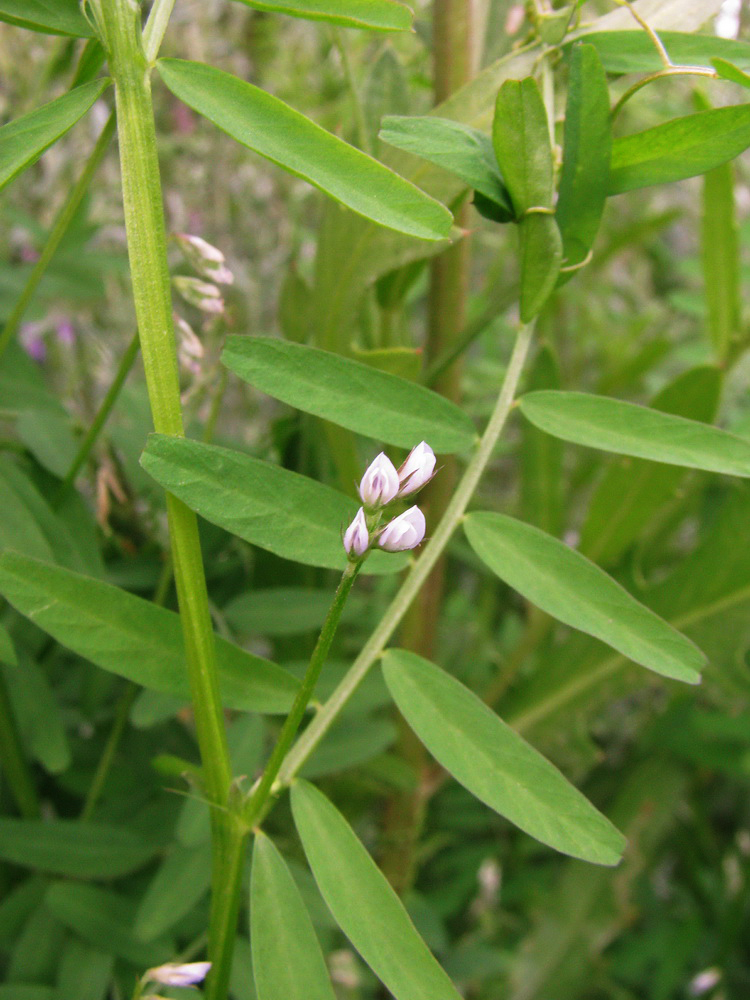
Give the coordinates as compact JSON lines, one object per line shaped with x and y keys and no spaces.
{"x":66,"y":333}
{"x":179,"y":975}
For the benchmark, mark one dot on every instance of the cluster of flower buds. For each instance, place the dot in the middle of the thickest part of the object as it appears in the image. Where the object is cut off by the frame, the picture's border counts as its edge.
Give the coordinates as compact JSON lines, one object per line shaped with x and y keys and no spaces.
{"x":382,"y":484}
{"x":206,"y":259}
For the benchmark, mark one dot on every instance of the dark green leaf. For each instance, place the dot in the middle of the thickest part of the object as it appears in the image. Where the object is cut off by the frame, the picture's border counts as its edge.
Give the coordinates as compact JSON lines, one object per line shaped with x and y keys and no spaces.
{"x":24,"y":140}
{"x":179,"y":883}
{"x":461,"y":149}
{"x":521,"y":139}
{"x":634,"y":52}
{"x":287,"y":961}
{"x":39,"y":715}
{"x":567,"y":586}
{"x":290,"y":515}
{"x":350,"y":394}
{"x":67,"y":847}
{"x":377,"y":15}
{"x":55,"y":17}
{"x":628,"y":429}
{"x":541,"y":456}
{"x":133,"y":637}
{"x":682,"y":147}
{"x":587,"y":146}
{"x":85,"y":973}
{"x":364,"y":905}
{"x":541,"y":256}
{"x":286,"y":137}
{"x":7,"y":650}
{"x":496,"y":764}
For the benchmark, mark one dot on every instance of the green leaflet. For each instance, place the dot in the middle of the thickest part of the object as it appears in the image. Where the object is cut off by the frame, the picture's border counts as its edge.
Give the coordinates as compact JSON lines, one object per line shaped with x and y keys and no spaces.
{"x":133,"y":637}
{"x":178,"y":885}
{"x":24,"y":140}
{"x":567,"y":586}
{"x":682,"y":147}
{"x":292,"y":141}
{"x":290,"y":515}
{"x":728,"y":71}
{"x":377,"y":15}
{"x":56,"y":17}
{"x":40,"y":718}
{"x":349,"y":393}
{"x":7,"y":650}
{"x":629,"y":429}
{"x":67,"y":847}
{"x":541,"y":455}
{"x":541,"y":257}
{"x":364,"y":905}
{"x":84,"y":972}
{"x":461,"y":149}
{"x":587,"y":146}
{"x":634,"y":52}
{"x":287,"y":961}
{"x":632,"y":491}
{"x":495,"y":763}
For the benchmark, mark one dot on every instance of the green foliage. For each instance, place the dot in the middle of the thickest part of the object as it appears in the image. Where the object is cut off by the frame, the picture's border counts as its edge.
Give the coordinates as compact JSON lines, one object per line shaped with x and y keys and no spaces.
{"x":378,"y":15}
{"x":61,"y":17}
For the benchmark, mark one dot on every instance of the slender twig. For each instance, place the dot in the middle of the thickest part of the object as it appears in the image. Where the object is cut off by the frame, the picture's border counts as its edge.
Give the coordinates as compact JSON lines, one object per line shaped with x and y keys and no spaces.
{"x":420,"y":570}
{"x":59,"y":228}
{"x":658,"y":44}
{"x":660,"y":74}
{"x":102,"y":415}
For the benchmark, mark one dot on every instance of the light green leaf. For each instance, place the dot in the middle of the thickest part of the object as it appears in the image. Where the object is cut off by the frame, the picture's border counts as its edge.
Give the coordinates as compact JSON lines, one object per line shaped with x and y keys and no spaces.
{"x":629,"y":429}
{"x":55,"y":17}
{"x":363,"y":903}
{"x":728,"y":71}
{"x":541,"y":256}
{"x":377,"y":15}
{"x":67,"y":847}
{"x":541,"y":455}
{"x":461,"y":149}
{"x":587,"y":146}
{"x":132,"y":637}
{"x":350,"y":743}
{"x":179,"y":883}
{"x":268,"y":126}
{"x":682,"y":147}
{"x":520,"y":136}
{"x":287,"y":961}
{"x":48,"y":439}
{"x":567,"y":586}
{"x":350,"y":394}
{"x":495,"y":763}
{"x":634,"y":52}
{"x":290,"y":515}
{"x":632,"y":491}
{"x":104,"y":919}
{"x":18,"y":526}
{"x":24,"y":140}
{"x":39,"y":714}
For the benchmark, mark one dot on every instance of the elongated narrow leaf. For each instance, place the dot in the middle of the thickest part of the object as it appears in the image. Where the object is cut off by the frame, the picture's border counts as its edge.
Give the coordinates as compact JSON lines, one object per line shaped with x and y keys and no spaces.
{"x":541,"y":256}
{"x":104,"y":919}
{"x":632,"y":491}
{"x":55,"y":17}
{"x":520,"y":136}
{"x":24,"y":140}
{"x":181,"y":881}
{"x":567,"y":586}
{"x":634,"y":52}
{"x":132,"y":637}
{"x":286,"y":137}
{"x":628,"y":429}
{"x":84,"y":972}
{"x":728,"y":71}
{"x":683,"y":147}
{"x":587,"y":146}
{"x":461,"y":149}
{"x":7,"y":649}
{"x":350,"y":394}
{"x":287,"y":961}
{"x":377,"y":15}
{"x":364,"y":905}
{"x":290,"y":515}
{"x":541,"y":455}
{"x":495,"y":763}
{"x":66,"y":847}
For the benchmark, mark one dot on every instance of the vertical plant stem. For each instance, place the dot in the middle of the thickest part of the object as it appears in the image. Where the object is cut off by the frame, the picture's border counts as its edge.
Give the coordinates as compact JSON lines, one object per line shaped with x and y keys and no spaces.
{"x":102,"y":415}
{"x":119,"y":27}
{"x":59,"y":228}
{"x":454,"y":59}
{"x":292,"y":722}
{"x":14,"y":764}
{"x":110,"y":749}
{"x":420,"y":570}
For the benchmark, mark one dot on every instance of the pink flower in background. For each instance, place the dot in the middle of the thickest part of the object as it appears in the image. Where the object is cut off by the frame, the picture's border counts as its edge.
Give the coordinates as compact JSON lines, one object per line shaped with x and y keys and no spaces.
{"x":404,"y":532}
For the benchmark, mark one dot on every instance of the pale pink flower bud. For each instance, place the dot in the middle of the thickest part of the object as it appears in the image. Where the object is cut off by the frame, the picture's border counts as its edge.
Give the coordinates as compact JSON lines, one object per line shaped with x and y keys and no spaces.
{"x":380,"y":482}
{"x":207,"y":260}
{"x":404,"y":532}
{"x":201,"y":294}
{"x":418,"y":469}
{"x":179,"y":975}
{"x":357,"y":537}
{"x":190,"y":349}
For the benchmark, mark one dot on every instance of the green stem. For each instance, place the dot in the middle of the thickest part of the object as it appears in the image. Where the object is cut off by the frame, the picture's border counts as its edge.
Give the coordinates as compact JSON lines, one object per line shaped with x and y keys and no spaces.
{"x":668,"y":71}
{"x":59,"y":228}
{"x":119,"y":28}
{"x":105,"y":408}
{"x":14,"y":764}
{"x":156,"y":26}
{"x":108,"y":755}
{"x":363,"y":137}
{"x":375,"y":645}
{"x":260,"y":796}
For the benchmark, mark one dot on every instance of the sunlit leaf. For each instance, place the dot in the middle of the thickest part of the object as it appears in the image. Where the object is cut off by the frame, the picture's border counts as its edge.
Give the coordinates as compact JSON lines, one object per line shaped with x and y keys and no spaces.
{"x":56,"y":17}
{"x":377,"y":15}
